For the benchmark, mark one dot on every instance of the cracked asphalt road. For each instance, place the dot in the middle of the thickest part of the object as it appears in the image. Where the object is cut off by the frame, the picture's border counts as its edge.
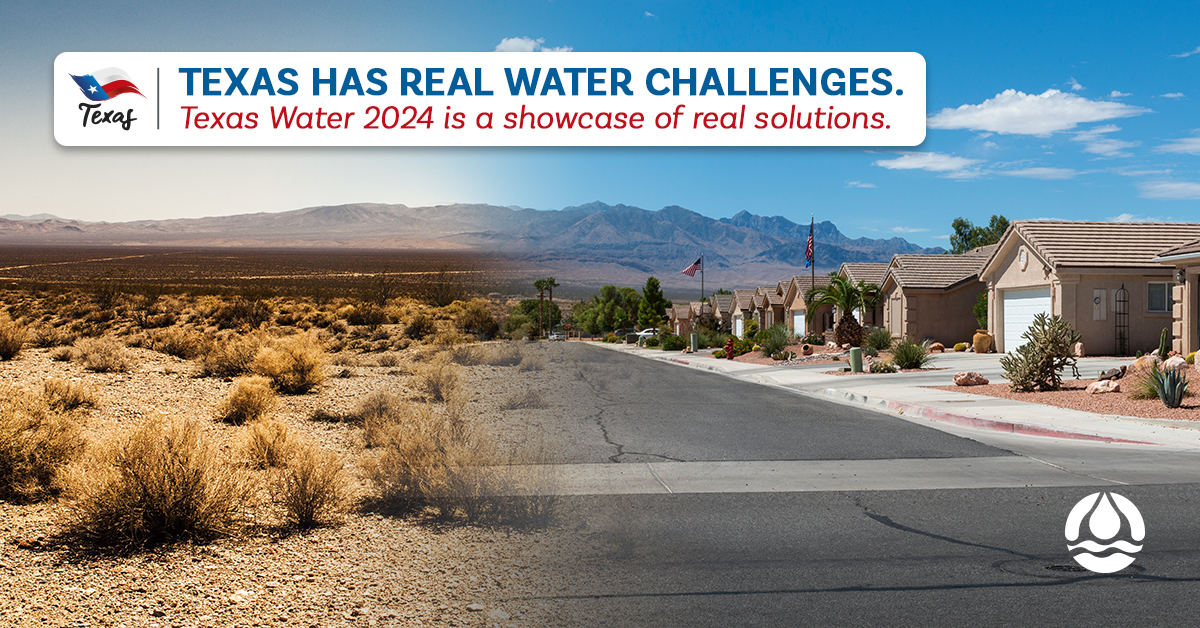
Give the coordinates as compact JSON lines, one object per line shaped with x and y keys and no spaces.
{"x":871,"y":558}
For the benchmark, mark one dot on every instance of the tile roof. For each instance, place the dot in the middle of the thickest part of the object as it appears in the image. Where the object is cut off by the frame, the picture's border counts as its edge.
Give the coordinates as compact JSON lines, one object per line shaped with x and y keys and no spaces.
{"x":1103,"y":244}
{"x":679,"y":312}
{"x":724,"y":302}
{"x":804,"y":282}
{"x":938,"y":271}
{"x":865,"y":271}
{"x":1186,"y":249}
{"x":744,"y":299}
{"x":774,"y":299}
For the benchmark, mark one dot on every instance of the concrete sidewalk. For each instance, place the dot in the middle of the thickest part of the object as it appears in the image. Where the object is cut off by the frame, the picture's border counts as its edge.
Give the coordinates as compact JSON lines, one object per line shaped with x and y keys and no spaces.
{"x":907,"y":395}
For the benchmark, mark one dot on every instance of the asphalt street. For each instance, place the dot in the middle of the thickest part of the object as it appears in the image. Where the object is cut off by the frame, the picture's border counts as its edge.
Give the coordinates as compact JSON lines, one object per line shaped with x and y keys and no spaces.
{"x":797,"y":549}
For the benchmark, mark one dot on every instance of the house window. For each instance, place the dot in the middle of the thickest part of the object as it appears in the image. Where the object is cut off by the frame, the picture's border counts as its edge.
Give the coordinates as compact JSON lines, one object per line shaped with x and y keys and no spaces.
{"x":1159,"y":297}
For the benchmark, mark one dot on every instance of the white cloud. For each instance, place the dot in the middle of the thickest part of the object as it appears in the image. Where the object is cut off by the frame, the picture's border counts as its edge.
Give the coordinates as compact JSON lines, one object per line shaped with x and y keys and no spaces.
{"x":1172,"y":95}
{"x":527,"y":44}
{"x":859,"y":184}
{"x":1117,"y":94}
{"x":990,"y":144}
{"x":1127,"y":172}
{"x":942,"y":237}
{"x":1098,"y":144}
{"x":1075,"y":86}
{"x":908,"y":230}
{"x":1046,"y":174}
{"x":1188,"y":145}
{"x":1170,"y":190}
{"x":932,"y":162}
{"x":1127,"y":217}
{"x":1187,"y":54}
{"x":1031,"y":114}
{"x":649,"y":14}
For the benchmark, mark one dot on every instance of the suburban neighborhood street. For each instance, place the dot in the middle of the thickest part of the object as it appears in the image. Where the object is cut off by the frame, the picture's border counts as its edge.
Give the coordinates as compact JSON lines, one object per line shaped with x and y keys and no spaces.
{"x":728,"y":502}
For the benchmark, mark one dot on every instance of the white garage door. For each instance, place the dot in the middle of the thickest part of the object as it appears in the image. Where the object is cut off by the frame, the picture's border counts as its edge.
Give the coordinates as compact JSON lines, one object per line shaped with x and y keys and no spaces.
{"x":737,"y":326}
{"x":1019,"y":308}
{"x":798,"y":323}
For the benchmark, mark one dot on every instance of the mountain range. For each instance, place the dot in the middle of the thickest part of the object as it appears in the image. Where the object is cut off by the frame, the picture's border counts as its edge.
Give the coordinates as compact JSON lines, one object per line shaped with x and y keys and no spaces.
{"x":589,"y":244}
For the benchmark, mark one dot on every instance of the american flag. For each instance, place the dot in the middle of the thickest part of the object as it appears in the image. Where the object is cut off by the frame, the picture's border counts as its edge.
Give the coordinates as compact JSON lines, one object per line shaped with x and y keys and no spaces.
{"x":808,"y":252}
{"x":690,"y":271}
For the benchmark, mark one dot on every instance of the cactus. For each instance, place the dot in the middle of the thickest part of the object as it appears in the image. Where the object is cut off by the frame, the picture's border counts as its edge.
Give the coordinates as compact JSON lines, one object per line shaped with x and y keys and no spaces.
{"x":1171,"y":385}
{"x":1163,"y":345}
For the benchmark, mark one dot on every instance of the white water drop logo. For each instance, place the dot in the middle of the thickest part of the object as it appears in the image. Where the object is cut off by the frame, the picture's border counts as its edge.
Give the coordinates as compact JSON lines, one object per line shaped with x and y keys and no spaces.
{"x":1104,"y":523}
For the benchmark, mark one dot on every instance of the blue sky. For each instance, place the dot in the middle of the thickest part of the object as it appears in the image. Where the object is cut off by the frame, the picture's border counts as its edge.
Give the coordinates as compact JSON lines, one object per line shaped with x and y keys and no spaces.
{"x":1119,"y":140}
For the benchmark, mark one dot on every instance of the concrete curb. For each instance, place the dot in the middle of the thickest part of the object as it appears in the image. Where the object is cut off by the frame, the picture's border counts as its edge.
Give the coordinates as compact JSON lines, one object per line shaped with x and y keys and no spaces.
{"x":914,"y":410}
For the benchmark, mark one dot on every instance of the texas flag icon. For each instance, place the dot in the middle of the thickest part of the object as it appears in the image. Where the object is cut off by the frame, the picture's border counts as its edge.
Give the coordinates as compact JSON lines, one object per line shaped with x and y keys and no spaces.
{"x":107,"y":83}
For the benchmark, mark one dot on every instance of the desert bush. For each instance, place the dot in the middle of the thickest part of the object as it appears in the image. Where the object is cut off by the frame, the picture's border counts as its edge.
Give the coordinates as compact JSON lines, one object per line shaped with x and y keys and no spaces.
{"x":163,"y":480}
{"x":870,"y":352}
{"x":295,"y":365}
{"x":65,"y":396}
{"x":653,"y":341}
{"x":1038,"y":364}
{"x":776,"y":338}
{"x":46,"y":337}
{"x":420,"y":326}
{"x":367,"y":315}
{"x":527,"y":399}
{"x":232,"y":355}
{"x":474,"y":317}
{"x":249,"y":399}
{"x":376,"y":413}
{"x":313,"y":486}
{"x":878,"y":338}
{"x":389,"y":360}
{"x":64,"y":354}
{"x":438,"y":379}
{"x":910,"y":354}
{"x":242,"y":311}
{"x":265,"y":444}
{"x":816,"y":338}
{"x":35,"y":444}
{"x":531,"y":362}
{"x":673,"y":343}
{"x":181,"y":343}
{"x":609,"y":337}
{"x":12,"y":337}
{"x":104,"y":355}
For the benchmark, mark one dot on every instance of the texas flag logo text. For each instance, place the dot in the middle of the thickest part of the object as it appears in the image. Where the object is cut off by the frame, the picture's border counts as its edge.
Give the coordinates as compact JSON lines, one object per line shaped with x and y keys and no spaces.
{"x":104,"y":84}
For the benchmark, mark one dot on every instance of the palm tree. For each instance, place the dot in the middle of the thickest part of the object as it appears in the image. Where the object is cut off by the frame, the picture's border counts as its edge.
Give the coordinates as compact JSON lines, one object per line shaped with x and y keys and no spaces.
{"x":871,"y":296}
{"x":551,"y":284}
{"x":844,"y":296}
{"x":540,"y":284}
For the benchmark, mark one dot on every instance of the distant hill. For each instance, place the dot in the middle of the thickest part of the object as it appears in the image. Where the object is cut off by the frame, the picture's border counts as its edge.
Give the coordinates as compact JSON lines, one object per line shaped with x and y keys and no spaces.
{"x":587,"y":245}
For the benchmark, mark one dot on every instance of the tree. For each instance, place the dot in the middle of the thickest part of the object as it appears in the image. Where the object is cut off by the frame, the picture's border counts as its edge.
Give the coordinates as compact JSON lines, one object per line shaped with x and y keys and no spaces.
{"x":871,"y":297}
{"x":846,"y":296}
{"x":551,"y":284}
{"x":611,"y":308}
{"x":653,"y":306}
{"x":541,"y":286}
{"x":967,"y":236}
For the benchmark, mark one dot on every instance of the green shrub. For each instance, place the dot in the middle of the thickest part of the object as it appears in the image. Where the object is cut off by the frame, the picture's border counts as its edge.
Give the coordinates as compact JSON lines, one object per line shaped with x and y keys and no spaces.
{"x":879,"y":339}
{"x":884,"y":366}
{"x":610,"y":337}
{"x":910,"y":354}
{"x":719,"y":354}
{"x":742,"y":347}
{"x":1191,"y":358}
{"x":1170,"y":384}
{"x":1038,"y":364}
{"x":869,"y":352}
{"x":816,"y":338}
{"x":773,"y":340}
{"x":751,"y":329}
{"x":653,"y":341}
{"x":673,"y":343}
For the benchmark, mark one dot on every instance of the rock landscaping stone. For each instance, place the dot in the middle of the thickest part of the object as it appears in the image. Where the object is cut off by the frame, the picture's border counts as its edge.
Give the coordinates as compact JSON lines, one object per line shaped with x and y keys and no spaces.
{"x":1104,"y":386}
{"x":1113,"y":374}
{"x":969,"y":378}
{"x":1174,"y":363}
{"x":1079,"y":350}
{"x":937,"y":347}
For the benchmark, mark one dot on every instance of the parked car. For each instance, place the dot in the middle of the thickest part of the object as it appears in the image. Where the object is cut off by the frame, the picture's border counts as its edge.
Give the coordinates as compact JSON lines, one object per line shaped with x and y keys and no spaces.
{"x":558,"y":335}
{"x":646,"y":333}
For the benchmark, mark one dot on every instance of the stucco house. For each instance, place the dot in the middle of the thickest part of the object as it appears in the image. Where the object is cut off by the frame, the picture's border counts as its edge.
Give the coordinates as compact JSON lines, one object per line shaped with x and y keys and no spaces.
{"x":1077,"y":270}
{"x":722,"y":308}
{"x":795,"y":309}
{"x":768,"y":306}
{"x":933,"y":296}
{"x":681,"y":319}
{"x":741,"y":311}
{"x":1185,"y":315}
{"x":868,"y":273}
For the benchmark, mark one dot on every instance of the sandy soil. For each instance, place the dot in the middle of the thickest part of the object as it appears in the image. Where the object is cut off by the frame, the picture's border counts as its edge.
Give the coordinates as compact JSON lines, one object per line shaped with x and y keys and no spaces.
{"x":1072,"y":396}
{"x":370,"y":570}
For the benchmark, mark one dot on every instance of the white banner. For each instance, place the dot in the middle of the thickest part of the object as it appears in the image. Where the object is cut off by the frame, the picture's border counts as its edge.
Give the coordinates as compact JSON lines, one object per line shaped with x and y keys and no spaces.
{"x":489,"y":99}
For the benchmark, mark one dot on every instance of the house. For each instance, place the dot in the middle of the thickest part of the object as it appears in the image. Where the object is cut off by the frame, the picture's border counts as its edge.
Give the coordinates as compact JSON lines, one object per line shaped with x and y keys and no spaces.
{"x":741,"y":311}
{"x":870,"y":274}
{"x":681,"y":319}
{"x":933,"y":296}
{"x":1107,"y":279}
{"x":1185,"y":316}
{"x":722,"y":307}
{"x":768,"y":306}
{"x":796,"y":309}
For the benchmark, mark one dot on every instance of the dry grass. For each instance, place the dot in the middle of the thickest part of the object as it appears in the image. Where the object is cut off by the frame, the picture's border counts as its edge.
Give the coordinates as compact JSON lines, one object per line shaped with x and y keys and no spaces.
{"x":65,"y":396}
{"x":181,"y":343}
{"x":295,"y":365}
{"x":532,"y":362}
{"x":104,"y":355}
{"x":35,"y":444}
{"x":438,"y":378}
{"x":376,"y":413}
{"x":528,"y":399}
{"x":164,"y":480}
{"x":232,"y":355}
{"x":12,"y":337}
{"x":46,"y":337}
{"x":248,"y":400}
{"x":491,"y":354}
{"x":64,"y":354}
{"x":266,"y":444}
{"x":313,"y":487}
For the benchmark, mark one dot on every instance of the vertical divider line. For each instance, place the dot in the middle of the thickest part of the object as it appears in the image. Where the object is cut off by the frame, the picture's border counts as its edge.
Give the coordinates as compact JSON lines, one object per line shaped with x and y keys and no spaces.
{"x":157,"y":99}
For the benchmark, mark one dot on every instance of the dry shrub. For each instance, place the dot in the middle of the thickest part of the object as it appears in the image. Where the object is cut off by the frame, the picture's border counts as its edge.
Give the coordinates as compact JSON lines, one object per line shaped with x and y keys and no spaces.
{"x":164,"y":480}
{"x":266,"y":444}
{"x":35,"y":444}
{"x":420,"y":326}
{"x":528,"y":399}
{"x":438,"y":379}
{"x":232,"y":355}
{"x":64,"y":354}
{"x":313,"y":487}
{"x":376,"y":413}
{"x":295,"y":365}
{"x":345,"y":359}
{"x":12,"y":337}
{"x":248,"y":400}
{"x":104,"y":355}
{"x":65,"y":396}
{"x":491,"y":354}
{"x":181,"y":343}
{"x":428,"y":459}
{"x":532,"y":362}
{"x":388,"y":360}
{"x":45,"y":337}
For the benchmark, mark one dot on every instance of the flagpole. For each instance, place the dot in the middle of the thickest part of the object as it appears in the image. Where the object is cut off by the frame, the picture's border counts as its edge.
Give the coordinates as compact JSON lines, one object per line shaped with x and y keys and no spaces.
{"x":812,"y":222}
{"x":701,"y":282}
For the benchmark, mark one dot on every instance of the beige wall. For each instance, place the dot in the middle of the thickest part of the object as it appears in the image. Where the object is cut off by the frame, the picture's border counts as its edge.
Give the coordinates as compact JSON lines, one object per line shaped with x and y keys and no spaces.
{"x":810,"y":326}
{"x":946,"y":317}
{"x":1186,"y":317}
